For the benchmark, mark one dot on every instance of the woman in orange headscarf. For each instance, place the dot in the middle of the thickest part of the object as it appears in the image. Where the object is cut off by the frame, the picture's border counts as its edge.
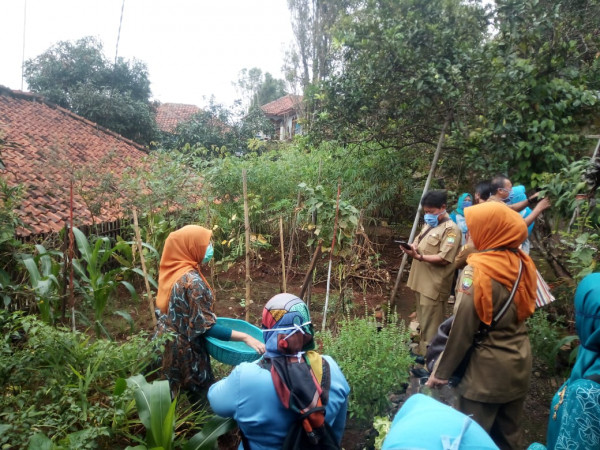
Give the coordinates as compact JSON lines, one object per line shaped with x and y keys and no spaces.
{"x":496,"y":379}
{"x":184,"y":306}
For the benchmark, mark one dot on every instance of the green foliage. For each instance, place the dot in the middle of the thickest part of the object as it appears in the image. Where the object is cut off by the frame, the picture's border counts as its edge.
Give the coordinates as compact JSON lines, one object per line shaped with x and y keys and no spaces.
{"x":78,"y":76}
{"x":382,"y":425}
{"x":258,"y":89}
{"x":207,"y":438}
{"x":375,"y":363}
{"x":325,"y":209}
{"x":95,"y":282}
{"x":60,"y":383}
{"x":10,"y":199}
{"x":575,"y":214}
{"x":211,"y":129}
{"x":156,"y":411}
{"x":543,"y":335}
{"x":537,"y":86}
{"x":405,"y":66}
{"x":44,"y":275}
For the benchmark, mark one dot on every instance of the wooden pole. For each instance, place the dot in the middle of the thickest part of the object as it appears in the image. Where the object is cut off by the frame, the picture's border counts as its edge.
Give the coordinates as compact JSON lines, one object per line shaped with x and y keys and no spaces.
{"x":138,"y":241}
{"x":247,"y":232}
{"x":282,"y":253}
{"x":71,"y":256}
{"x":313,"y":263}
{"x":436,"y":156}
{"x":335,"y":222}
{"x":292,"y":234}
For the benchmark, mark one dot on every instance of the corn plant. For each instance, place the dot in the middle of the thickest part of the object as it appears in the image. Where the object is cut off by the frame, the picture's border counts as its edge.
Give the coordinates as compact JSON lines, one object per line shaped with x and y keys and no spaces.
{"x":159,"y":416}
{"x":156,"y":411}
{"x":43,"y":277}
{"x":95,"y":282}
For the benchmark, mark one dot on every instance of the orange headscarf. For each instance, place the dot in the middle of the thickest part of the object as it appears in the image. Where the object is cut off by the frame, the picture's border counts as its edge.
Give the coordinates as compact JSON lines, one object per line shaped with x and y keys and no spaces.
{"x":494,"y":225}
{"x":184,"y":251}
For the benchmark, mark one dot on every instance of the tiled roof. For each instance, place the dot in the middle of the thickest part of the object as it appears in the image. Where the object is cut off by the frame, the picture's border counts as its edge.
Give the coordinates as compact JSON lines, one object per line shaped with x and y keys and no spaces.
{"x":43,"y":146}
{"x":169,"y":115}
{"x":282,"y":106}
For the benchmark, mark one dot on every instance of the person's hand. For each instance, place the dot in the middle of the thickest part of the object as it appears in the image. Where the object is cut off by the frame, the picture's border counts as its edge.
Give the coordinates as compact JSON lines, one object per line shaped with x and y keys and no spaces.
{"x":435,"y":382}
{"x":255,"y":344}
{"x":412,"y":252}
{"x":543,"y":204}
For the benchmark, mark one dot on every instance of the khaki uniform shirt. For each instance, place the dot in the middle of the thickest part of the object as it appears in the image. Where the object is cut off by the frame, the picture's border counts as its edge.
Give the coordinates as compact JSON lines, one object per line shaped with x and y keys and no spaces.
{"x":434,"y":280}
{"x":500,"y":366}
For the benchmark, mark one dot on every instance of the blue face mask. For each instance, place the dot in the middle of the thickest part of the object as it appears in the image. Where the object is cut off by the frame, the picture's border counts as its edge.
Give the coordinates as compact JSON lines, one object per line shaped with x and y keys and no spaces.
{"x":432,"y":219}
{"x":467,"y":203}
{"x":510,"y":198}
{"x":209,"y":254}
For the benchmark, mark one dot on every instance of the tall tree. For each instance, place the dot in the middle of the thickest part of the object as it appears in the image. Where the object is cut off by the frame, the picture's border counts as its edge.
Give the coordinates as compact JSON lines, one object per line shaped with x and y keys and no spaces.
{"x":259,"y":89}
{"x":405,"y":67}
{"x":79,"y":77}
{"x":311,"y":58}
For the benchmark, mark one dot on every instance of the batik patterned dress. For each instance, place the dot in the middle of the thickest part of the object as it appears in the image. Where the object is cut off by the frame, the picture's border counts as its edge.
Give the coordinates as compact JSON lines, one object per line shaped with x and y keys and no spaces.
{"x":186,"y":362}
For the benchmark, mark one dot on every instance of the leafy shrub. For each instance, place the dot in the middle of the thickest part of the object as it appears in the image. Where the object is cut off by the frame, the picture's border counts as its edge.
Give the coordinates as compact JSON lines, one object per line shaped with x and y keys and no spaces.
{"x":60,"y":383}
{"x":375,"y":363}
{"x":543,"y":335}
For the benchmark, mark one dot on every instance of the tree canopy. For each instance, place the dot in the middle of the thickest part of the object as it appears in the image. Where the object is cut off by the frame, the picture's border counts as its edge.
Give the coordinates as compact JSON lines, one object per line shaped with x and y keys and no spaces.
{"x":518,"y":80}
{"x":259,"y":89}
{"x":78,"y":76}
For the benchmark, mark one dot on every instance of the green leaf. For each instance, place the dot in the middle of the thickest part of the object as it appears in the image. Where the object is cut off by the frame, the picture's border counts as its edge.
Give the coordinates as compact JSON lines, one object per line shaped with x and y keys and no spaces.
{"x":40,"y":441}
{"x":125,"y":315}
{"x":34,"y":273}
{"x":153,"y":402}
{"x":120,"y":386}
{"x":130,"y":288}
{"x":83,"y":245}
{"x":207,"y":438}
{"x":140,"y":272}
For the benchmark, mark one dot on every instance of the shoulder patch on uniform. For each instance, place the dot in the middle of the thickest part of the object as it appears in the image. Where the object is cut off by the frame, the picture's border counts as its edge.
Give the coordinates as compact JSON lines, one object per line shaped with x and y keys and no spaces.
{"x":467,"y":282}
{"x":450,"y":240}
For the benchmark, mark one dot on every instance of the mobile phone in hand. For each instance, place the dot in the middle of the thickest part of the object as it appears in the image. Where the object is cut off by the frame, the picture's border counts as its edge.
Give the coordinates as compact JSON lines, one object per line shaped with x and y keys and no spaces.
{"x":404,"y":244}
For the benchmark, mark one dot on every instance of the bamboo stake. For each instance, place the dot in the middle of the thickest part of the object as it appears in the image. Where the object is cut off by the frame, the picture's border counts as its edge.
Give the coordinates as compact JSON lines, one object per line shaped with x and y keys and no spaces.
{"x":247,"y":232}
{"x":138,"y":241}
{"x":282,"y":253}
{"x":337,"y":209}
{"x":292,"y":234}
{"x":436,"y":156}
{"x":311,"y":267}
{"x":71,"y":255}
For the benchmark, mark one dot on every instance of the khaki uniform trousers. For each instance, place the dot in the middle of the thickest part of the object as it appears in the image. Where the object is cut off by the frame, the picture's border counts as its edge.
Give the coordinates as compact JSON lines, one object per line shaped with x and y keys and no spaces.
{"x":430,"y":314}
{"x":500,"y":420}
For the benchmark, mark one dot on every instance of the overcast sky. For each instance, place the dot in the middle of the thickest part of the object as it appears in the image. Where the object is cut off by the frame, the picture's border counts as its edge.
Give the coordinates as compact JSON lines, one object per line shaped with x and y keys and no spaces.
{"x":193,"y":48}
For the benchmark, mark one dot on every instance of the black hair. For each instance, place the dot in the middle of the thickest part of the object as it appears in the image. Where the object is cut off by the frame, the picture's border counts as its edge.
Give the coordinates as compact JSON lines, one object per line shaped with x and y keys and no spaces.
{"x":497,"y":183}
{"x":434,"y":199}
{"x":483,"y":189}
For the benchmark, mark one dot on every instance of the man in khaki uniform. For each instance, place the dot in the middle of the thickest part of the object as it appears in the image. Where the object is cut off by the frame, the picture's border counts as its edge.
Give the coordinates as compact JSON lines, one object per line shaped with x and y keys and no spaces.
{"x":432,"y":270}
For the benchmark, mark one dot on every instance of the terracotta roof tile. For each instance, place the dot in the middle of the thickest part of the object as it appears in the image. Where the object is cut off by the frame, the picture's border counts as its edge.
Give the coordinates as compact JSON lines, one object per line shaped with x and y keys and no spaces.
{"x":43,"y":146}
{"x":282,"y":106}
{"x":169,"y":115}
